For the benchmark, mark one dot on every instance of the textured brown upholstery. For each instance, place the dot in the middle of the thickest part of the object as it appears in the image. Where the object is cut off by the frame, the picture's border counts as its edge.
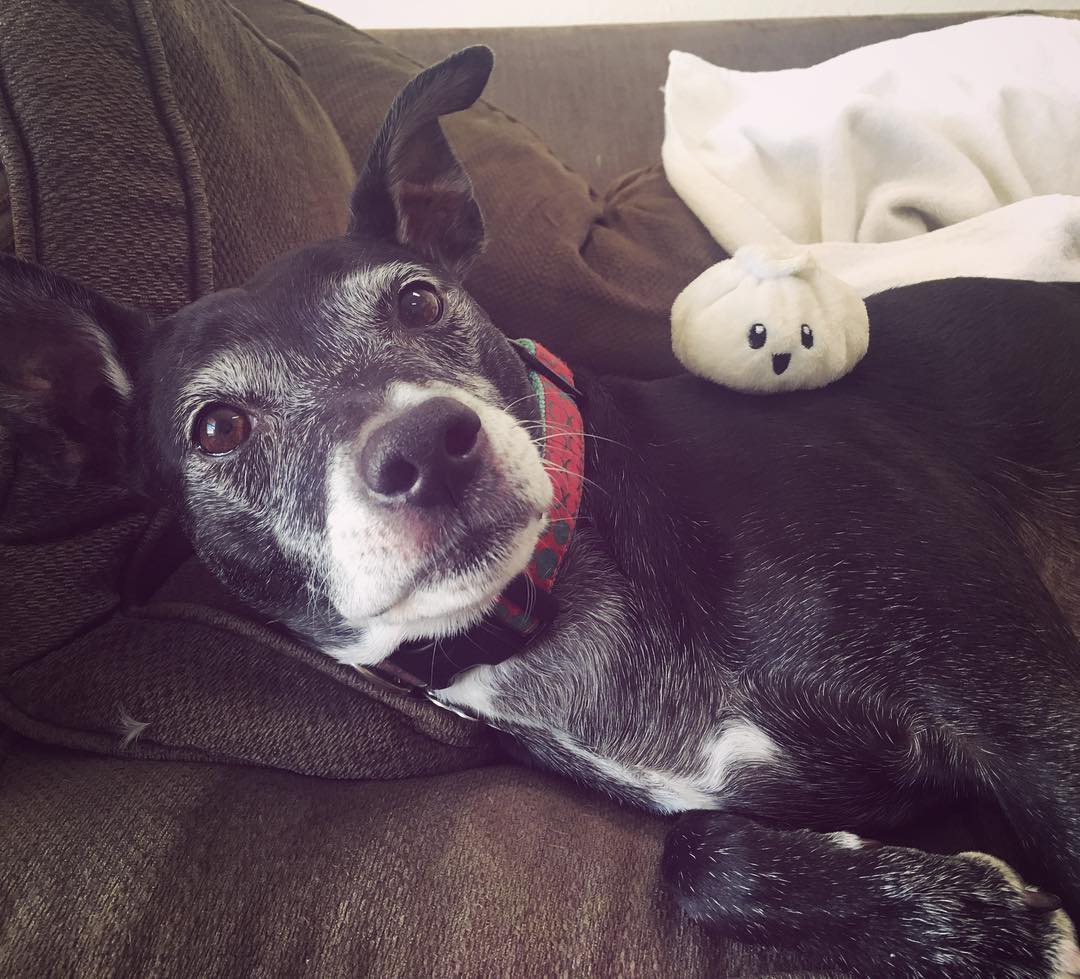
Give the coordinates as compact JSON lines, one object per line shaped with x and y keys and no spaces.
{"x":138,"y":868}
{"x":156,"y":150}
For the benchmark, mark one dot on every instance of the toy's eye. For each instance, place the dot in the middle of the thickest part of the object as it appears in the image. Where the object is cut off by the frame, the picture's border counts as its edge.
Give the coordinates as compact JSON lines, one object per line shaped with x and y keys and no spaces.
{"x":756,"y":336}
{"x":419,"y":305}
{"x":807,"y":336}
{"x":221,"y":429}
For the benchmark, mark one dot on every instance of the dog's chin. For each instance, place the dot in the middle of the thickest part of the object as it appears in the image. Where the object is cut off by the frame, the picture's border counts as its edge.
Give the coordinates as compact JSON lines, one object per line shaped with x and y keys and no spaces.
{"x":463,"y":582}
{"x":448,"y":593}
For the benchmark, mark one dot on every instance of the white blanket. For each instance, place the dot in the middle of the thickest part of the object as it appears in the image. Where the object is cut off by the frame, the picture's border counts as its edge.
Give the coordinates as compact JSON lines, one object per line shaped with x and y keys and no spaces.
{"x":926,"y":157}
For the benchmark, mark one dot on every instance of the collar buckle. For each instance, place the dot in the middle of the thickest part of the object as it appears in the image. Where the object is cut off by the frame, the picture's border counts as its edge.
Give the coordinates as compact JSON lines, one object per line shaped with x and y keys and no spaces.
{"x":461,"y":712}
{"x":537,"y":366}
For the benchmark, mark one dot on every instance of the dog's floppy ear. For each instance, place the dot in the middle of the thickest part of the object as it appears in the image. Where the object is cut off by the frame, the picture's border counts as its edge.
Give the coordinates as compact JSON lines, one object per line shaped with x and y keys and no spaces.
{"x":412,"y":189}
{"x":65,"y":372}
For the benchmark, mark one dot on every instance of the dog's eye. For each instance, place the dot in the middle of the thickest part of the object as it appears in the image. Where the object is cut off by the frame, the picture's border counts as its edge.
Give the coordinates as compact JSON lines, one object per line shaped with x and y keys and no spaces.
{"x":807,"y":336}
{"x":419,"y":305}
{"x":757,"y":336}
{"x":220,"y":429}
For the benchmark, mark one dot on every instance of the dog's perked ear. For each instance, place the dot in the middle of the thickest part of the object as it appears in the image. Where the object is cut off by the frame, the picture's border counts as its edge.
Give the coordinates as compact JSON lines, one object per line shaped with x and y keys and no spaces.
{"x":413,"y":190}
{"x":65,"y":372}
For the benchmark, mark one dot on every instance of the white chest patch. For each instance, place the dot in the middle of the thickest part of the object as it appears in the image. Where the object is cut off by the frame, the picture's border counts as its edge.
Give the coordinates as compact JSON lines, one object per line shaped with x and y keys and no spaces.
{"x":738,"y":745}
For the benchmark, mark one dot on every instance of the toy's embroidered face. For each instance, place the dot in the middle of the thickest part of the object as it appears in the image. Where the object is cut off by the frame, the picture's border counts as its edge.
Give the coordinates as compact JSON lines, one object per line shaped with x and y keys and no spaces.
{"x":784,"y":347}
{"x":758,"y":336}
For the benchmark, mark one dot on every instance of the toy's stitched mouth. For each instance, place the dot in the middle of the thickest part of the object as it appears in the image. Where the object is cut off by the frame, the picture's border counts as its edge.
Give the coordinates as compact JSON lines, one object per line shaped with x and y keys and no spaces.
{"x":780,"y":363}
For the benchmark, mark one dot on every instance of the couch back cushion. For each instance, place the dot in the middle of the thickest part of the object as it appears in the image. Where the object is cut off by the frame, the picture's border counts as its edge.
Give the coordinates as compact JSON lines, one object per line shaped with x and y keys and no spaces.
{"x":590,"y":275}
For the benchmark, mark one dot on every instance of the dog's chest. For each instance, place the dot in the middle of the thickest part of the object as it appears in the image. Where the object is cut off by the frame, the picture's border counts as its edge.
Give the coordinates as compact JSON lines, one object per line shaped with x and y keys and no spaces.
{"x":669,"y":768}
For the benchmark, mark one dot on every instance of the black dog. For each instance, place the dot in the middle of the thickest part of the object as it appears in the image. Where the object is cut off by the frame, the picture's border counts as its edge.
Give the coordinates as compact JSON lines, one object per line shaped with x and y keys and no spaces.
{"x":795,"y":618}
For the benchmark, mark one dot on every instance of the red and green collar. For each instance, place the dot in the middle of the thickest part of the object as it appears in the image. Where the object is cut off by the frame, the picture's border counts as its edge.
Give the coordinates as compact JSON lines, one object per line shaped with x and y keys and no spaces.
{"x":527,"y":605}
{"x":563,"y":453}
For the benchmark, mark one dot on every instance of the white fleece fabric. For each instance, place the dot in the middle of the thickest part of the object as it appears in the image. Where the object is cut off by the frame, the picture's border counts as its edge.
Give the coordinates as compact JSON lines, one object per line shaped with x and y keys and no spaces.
{"x":952,"y":152}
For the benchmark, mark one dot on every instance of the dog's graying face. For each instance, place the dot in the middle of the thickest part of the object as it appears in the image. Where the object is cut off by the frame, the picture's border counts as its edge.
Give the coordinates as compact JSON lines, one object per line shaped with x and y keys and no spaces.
{"x":351,"y":445}
{"x":349,"y":439}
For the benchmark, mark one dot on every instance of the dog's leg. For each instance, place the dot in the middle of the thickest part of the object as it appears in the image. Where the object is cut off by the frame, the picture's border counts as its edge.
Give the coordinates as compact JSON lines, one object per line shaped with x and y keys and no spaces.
{"x":872,"y":910}
{"x":1012,"y":739}
{"x":1033,"y":772}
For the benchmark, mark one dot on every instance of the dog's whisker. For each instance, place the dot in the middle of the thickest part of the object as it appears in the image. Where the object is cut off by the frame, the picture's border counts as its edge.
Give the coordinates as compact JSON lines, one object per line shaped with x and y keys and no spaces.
{"x":489,"y":627}
{"x":518,"y":401}
{"x":585,"y":435}
{"x":551,"y":467}
{"x":530,"y":600}
{"x":472,"y":641}
{"x":434,"y":654}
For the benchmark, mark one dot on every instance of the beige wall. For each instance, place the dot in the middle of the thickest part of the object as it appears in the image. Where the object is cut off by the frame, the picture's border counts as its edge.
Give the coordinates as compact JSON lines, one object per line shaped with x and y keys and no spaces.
{"x":376,"y":14}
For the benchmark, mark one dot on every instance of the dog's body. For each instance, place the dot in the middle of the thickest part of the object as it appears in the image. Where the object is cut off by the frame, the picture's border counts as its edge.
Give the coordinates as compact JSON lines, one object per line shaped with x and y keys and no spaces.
{"x":857,"y":560}
{"x":790,"y":616}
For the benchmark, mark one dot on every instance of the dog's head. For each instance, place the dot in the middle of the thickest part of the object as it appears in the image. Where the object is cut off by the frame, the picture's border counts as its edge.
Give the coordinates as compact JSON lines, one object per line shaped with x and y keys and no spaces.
{"x":349,"y":439}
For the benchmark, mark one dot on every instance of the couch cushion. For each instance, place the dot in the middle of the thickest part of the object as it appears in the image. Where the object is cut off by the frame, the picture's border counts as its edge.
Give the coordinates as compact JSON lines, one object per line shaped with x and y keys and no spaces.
{"x":591,"y":277}
{"x":176,"y":151}
{"x":181,"y":870}
{"x":121,"y":867}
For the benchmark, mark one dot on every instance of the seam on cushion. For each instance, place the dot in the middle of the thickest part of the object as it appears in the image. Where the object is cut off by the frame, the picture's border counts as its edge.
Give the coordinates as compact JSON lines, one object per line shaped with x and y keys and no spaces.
{"x":593,"y":194}
{"x":209,"y":618}
{"x":36,"y":729}
{"x":49,"y":733}
{"x":272,"y":46}
{"x":23,"y":200}
{"x":155,"y":64}
{"x":38,"y":732}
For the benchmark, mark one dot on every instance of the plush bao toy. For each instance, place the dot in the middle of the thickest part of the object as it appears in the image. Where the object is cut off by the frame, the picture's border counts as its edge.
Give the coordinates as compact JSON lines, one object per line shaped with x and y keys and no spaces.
{"x":769,"y":319}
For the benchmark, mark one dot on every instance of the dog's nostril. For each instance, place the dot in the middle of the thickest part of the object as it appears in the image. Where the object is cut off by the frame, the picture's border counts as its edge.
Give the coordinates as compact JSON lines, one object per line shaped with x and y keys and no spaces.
{"x":397,"y":476}
{"x":461,"y":435}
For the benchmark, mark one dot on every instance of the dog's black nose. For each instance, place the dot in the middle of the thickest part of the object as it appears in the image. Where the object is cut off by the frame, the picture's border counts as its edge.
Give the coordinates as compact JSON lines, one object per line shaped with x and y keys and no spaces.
{"x":780,"y":362}
{"x":426,"y":456}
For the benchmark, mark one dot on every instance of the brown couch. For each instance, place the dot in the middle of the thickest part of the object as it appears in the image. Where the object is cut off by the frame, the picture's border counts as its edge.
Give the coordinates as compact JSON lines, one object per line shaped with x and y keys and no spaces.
{"x":276,"y":814}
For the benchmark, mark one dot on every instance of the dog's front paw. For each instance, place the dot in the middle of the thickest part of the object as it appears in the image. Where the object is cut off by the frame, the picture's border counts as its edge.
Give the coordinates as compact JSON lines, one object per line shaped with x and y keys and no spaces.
{"x":1035,"y":937}
{"x":871,"y":910}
